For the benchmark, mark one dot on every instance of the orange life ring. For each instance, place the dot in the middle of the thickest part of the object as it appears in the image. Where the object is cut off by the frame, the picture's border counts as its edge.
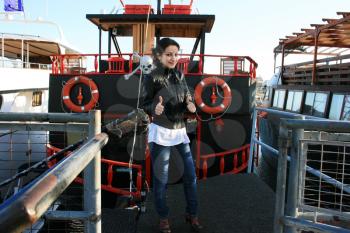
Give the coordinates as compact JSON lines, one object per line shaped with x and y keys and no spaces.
{"x":68,"y":87}
{"x":226,"y":98}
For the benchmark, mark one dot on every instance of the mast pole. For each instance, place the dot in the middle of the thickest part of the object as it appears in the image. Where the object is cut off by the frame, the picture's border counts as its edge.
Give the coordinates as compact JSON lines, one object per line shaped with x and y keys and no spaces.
{"x":159,"y":3}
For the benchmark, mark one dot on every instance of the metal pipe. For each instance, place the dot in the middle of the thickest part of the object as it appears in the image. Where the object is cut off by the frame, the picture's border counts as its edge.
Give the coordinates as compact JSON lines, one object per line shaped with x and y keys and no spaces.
{"x":67,"y":215}
{"x":269,"y":148}
{"x":159,"y":10}
{"x":309,"y":169}
{"x":28,"y":64}
{"x":92,"y":179}
{"x":314,"y":227}
{"x":50,"y":117}
{"x":252,"y":137}
{"x":109,"y":42}
{"x":291,"y":206}
{"x":28,"y":205}
{"x":70,"y":127}
{"x":319,"y":125}
{"x":202,"y":50}
{"x":22,"y":53}
{"x":286,"y":114}
{"x":99,"y":47}
{"x":281,"y":179}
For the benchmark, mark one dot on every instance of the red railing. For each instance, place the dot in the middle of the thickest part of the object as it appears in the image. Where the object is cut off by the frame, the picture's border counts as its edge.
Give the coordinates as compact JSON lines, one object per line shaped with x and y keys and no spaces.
{"x":240,"y":157}
{"x":51,"y":150}
{"x":111,"y":176}
{"x":240,"y":66}
{"x":240,"y":160}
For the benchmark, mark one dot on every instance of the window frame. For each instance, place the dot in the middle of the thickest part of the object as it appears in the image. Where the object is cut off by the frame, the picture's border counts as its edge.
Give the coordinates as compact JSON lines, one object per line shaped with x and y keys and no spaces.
{"x":324,"y":114}
{"x":276,"y":91}
{"x":301,"y":101}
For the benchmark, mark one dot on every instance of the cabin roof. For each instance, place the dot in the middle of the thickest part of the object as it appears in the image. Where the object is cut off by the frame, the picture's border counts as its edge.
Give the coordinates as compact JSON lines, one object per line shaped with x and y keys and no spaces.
{"x":13,"y":48}
{"x":334,"y":33}
{"x":187,"y":26}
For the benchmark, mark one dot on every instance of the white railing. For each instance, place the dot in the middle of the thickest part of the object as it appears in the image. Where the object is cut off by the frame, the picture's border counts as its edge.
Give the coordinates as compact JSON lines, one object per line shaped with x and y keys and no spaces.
{"x":10,"y":63}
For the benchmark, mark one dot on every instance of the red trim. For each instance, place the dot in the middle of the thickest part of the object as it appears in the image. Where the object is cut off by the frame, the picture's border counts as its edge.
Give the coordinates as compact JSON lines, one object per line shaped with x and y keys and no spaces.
{"x":61,"y":64}
{"x":148,"y":165}
{"x":110,"y":176}
{"x":237,"y":168}
{"x":50,"y":150}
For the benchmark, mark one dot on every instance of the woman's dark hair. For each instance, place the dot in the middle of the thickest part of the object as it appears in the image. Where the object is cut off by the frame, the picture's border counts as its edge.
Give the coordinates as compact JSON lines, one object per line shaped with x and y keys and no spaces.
{"x":162,"y":45}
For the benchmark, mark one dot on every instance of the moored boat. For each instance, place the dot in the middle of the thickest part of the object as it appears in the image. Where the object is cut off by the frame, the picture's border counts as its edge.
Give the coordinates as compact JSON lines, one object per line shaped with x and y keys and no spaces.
{"x":312,"y":88}
{"x":25,"y":67}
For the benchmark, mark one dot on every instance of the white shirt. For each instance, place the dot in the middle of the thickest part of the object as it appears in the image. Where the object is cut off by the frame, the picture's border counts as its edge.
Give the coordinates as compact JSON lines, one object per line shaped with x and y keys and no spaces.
{"x":167,"y":137}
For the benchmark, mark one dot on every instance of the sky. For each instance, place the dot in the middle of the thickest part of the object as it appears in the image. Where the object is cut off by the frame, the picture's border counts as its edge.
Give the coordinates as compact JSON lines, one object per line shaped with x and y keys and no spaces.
{"x":243,"y":28}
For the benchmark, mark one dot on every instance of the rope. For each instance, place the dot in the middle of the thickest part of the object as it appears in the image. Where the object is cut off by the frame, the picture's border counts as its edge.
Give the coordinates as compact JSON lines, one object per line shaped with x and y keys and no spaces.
{"x":131,"y":160}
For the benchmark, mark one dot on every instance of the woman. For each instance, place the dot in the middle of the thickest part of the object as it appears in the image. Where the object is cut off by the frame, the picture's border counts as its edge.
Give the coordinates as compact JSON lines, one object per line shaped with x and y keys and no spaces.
{"x":166,"y":98}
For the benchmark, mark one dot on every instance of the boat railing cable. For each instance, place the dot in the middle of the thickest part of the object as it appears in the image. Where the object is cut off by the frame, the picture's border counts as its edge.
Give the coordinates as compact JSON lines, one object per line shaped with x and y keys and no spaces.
{"x":131,"y":160}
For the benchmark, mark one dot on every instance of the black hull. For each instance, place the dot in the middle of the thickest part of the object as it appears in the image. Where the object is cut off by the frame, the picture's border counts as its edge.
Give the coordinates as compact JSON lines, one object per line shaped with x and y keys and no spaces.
{"x":118,"y":97}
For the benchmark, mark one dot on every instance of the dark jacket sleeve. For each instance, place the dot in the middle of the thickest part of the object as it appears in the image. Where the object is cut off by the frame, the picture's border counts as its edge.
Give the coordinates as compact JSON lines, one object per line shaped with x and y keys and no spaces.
{"x":148,"y":94}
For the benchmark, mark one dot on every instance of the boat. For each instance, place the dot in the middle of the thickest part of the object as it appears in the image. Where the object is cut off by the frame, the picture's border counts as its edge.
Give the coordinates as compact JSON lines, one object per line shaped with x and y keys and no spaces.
{"x":229,"y":83}
{"x":313,"y":81}
{"x":25,"y":62}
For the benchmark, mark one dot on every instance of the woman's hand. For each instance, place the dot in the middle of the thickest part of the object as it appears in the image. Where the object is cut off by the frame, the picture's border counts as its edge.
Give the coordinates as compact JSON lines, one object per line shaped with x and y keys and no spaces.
{"x":159,"y":107}
{"x":190,"y":105}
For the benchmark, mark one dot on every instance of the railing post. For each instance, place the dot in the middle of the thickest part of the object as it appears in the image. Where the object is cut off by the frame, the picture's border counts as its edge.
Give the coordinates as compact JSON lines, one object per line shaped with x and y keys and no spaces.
{"x":293,"y":175}
{"x":252,"y":137}
{"x":92,"y":180}
{"x":281,"y":179}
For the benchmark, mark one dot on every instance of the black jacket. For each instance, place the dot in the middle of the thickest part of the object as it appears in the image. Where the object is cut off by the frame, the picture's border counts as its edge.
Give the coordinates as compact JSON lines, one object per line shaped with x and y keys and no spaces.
{"x":171,"y":85}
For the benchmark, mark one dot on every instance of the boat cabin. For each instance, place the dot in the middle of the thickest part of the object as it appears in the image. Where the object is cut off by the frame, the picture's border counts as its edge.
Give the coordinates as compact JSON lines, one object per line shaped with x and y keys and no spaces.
{"x":320,"y":87}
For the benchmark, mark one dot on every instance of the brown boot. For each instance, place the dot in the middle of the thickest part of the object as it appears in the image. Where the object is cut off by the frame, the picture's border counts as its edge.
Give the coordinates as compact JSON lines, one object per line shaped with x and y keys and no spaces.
{"x":193,"y":220}
{"x":164,"y":226}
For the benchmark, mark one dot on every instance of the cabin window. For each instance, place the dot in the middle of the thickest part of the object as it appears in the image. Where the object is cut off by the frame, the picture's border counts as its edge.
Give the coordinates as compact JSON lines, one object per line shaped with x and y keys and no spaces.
{"x":315,"y":104}
{"x":336,"y":107}
{"x":309,"y":101}
{"x":294,"y":101}
{"x":320,"y":104}
{"x":37,"y":98}
{"x":346,"y":110}
{"x":278,"y":99}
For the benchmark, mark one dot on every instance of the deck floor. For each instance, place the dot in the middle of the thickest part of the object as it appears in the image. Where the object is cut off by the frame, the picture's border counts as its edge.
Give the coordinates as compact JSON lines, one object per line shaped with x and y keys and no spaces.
{"x":239,"y":203}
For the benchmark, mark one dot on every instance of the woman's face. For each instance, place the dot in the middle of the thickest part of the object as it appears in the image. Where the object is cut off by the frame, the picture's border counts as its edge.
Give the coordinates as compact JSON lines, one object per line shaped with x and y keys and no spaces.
{"x":170,"y":56}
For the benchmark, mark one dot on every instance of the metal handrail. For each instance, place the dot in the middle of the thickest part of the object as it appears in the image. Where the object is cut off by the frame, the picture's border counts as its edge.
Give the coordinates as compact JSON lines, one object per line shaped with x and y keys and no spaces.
{"x":316,"y":122}
{"x":27,"y":206}
{"x":290,"y":132}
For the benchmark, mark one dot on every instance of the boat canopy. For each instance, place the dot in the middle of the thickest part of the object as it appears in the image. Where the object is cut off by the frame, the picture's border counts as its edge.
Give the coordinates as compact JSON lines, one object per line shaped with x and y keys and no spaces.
{"x":13,"y":48}
{"x":146,"y":29}
{"x":187,"y":26}
{"x":335,"y":33}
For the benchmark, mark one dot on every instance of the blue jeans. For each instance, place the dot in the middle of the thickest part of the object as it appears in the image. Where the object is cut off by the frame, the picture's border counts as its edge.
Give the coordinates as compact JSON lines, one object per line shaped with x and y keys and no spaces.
{"x":160,"y":156}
